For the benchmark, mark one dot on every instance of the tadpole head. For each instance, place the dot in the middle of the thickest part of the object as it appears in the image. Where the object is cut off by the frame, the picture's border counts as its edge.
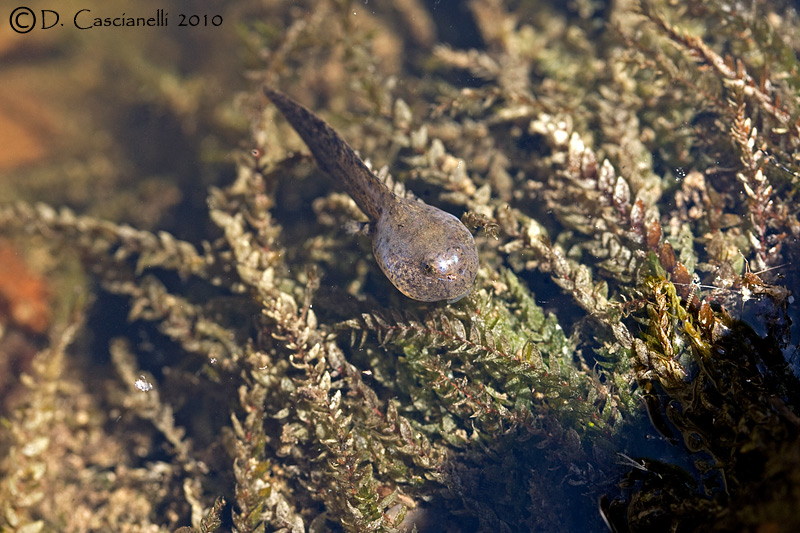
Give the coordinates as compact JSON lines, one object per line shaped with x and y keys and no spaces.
{"x":428,"y":254}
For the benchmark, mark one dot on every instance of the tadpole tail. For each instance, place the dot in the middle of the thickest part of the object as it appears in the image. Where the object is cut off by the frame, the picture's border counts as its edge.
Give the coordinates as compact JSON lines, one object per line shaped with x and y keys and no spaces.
{"x":333,"y":154}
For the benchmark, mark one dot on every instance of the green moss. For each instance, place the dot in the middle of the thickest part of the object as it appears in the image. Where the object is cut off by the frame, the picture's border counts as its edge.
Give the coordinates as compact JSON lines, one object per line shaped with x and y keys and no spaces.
{"x":635,"y":184}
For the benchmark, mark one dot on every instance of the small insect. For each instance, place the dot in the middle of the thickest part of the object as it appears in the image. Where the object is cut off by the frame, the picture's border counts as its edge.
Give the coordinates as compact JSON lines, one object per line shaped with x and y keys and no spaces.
{"x":746,"y":287}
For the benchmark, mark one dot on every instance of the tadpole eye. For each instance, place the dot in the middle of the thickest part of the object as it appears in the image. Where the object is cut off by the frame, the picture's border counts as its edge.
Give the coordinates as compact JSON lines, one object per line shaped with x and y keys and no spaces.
{"x":447,"y":265}
{"x":434,"y":270}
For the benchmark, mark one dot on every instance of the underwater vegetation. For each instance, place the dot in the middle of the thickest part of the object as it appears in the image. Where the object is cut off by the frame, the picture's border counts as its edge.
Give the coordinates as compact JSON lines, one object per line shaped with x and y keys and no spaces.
{"x":627,"y":358}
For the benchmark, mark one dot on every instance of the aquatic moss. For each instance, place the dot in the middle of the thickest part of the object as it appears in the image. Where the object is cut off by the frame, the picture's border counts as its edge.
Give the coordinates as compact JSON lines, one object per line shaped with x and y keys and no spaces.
{"x":633,"y":174}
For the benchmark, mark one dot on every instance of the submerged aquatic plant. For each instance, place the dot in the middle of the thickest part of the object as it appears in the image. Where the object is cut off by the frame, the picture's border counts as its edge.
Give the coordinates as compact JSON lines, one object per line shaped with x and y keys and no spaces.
{"x":636,"y":201}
